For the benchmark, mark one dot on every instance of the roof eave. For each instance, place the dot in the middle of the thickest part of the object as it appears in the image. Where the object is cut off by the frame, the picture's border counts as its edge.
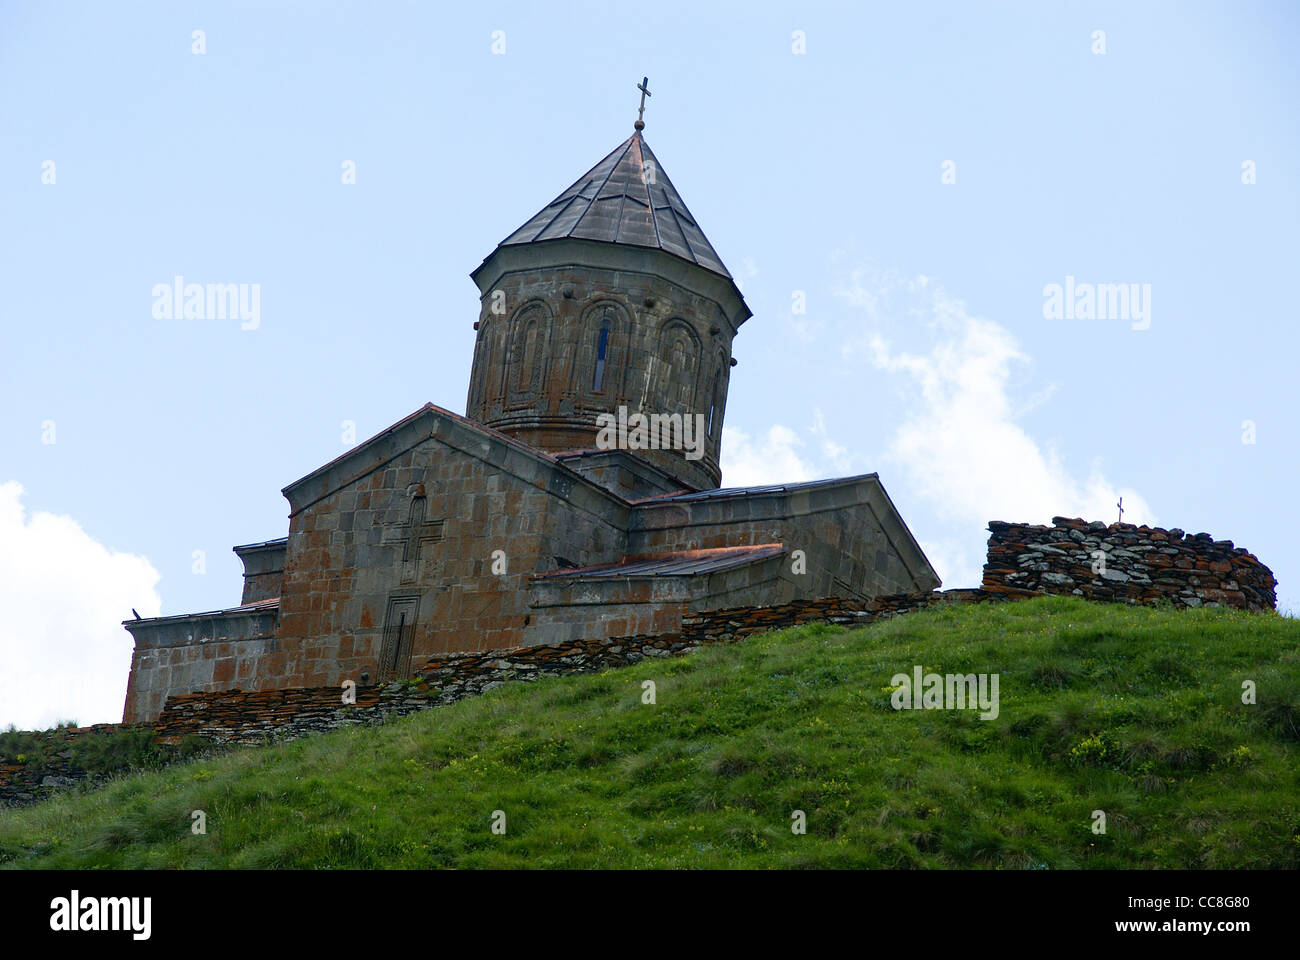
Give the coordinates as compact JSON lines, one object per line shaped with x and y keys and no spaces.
{"x":578,"y":251}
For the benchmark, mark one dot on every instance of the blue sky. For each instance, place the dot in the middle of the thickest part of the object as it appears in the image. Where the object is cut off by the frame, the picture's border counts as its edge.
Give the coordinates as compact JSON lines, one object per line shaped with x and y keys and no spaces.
{"x":924,"y":352}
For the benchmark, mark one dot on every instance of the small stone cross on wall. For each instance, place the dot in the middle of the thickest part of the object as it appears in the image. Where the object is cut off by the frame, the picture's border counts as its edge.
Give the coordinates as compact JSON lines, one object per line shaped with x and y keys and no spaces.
{"x":414,"y":535}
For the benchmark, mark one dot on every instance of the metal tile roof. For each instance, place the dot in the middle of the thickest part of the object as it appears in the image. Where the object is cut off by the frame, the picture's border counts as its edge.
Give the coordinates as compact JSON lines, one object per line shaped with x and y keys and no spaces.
{"x":263,"y":545}
{"x":680,"y":563}
{"x":617,"y":202}
{"x":257,"y":606}
{"x":752,"y":491}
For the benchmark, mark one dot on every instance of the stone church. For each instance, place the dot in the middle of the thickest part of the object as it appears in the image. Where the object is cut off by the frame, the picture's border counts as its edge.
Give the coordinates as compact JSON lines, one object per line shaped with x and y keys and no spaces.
{"x":512,"y":525}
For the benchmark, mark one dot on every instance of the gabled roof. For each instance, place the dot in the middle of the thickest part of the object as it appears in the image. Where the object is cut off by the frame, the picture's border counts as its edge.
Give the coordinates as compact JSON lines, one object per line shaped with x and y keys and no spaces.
{"x":865,"y":488}
{"x":455,"y":430}
{"x":627,"y":198}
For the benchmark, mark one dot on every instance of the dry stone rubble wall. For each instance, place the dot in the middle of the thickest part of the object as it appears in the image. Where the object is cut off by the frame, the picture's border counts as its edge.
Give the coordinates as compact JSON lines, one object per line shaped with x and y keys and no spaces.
{"x":1142,"y":565}
{"x":1125,"y":563}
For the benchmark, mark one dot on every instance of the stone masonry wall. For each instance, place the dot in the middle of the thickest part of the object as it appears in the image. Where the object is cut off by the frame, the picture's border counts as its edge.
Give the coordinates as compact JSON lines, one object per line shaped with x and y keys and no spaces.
{"x":253,"y":716}
{"x":847,"y":529}
{"x":554,"y":405}
{"x":205,"y":652}
{"x":263,"y":569}
{"x":353,"y":549}
{"x":1141,"y":565}
{"x":247,"y":717}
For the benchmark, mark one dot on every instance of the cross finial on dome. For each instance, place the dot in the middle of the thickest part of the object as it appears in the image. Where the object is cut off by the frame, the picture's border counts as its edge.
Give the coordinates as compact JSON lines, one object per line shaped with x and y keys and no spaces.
{"x":644,"y":87}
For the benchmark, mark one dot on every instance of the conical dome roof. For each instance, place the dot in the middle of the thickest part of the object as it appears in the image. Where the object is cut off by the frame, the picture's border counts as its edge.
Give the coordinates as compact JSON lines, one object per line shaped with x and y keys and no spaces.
{"x":626,"y":198}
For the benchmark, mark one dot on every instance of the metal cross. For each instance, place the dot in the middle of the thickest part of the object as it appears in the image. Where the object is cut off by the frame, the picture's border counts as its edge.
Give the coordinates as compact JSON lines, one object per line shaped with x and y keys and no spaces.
{"x":1121,"y":509}
{"x":644,"y":87}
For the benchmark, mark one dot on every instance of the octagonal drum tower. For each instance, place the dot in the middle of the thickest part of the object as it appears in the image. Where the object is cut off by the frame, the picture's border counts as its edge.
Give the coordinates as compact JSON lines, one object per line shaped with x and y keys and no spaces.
{"x":611,"y":296}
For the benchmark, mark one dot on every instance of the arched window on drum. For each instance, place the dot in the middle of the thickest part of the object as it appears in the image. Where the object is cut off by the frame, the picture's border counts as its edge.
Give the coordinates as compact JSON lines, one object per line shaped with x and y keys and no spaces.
{"x":527,"y":355}
{"x":679,"y":366}
{"x":602,"y":354}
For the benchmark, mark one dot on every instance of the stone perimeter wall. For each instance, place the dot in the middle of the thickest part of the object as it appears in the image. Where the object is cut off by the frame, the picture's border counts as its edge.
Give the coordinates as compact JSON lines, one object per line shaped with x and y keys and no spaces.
{"x":254,"y":716}
{"x":249,"y":717}
{"x":1142,"y":565}
{"x":21,"y":784}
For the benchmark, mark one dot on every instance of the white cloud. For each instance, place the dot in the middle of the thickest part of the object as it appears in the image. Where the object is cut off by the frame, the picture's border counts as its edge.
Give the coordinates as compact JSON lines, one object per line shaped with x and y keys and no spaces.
{"x":749,"y":270}
{"x":960,"y":447}
{"x":836,"y":454}
{"x":772,"y":458}
{"x":63,"y":652}
{"x":958,"y":564}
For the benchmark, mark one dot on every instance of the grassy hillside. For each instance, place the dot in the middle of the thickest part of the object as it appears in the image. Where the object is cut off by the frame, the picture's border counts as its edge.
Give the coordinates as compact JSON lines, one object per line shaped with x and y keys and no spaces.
{"x":1136,"y":712}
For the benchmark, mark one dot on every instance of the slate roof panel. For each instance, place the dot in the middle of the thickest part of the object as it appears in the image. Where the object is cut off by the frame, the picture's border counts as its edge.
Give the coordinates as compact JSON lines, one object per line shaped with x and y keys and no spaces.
{"x":617,"y":201}
{"x":257,"y":606}
{"x":751,"y":491}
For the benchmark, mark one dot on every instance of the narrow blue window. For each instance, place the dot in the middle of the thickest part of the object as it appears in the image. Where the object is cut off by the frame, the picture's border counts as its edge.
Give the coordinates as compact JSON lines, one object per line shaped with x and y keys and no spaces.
{"x":713,"y":401}
{"x":598,"y":378}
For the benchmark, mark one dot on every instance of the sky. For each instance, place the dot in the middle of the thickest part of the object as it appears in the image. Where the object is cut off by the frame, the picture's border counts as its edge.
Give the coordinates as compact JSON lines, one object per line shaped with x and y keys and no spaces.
{"x":896,"y":188}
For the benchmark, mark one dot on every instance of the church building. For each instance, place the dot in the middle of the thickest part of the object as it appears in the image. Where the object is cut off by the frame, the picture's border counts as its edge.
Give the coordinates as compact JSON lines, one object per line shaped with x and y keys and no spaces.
{"x":531,"y":519}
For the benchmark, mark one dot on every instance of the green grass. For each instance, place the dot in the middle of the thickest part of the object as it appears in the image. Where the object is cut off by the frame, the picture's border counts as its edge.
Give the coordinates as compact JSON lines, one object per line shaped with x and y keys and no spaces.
{"x":97,"y":753}
{"x":1136,"y":712}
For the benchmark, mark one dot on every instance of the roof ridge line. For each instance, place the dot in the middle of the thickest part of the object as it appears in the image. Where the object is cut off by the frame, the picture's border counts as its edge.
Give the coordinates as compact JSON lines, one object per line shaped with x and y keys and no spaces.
{"x":654,"y":221}
{"x":685,"y":239}
{"x":627,"y":145}
{"x":618,"y":224}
